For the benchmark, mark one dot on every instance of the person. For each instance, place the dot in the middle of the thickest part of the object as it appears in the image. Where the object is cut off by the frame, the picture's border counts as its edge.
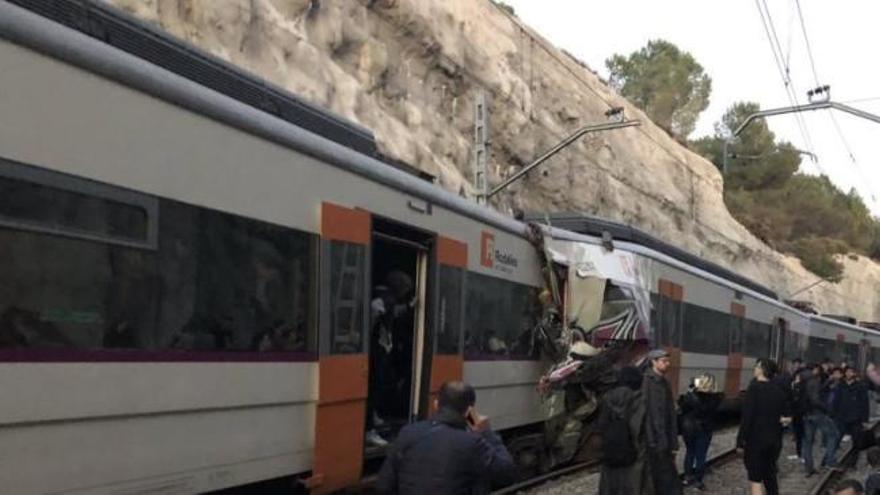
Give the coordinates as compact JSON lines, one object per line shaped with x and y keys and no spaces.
{"x":851,"y":410}
{"x":872,"y":481}
{"x":625,"y":401}
{"x":849,"y":487}
{"x":454,"y":452}
{"x":698,"y":408}
{"x":827,"y":365}
{"x":760,"y":433}
{"x":661,"y":431}
{"x":817,"y":418}
{"x":381,"y":373}
{"x":401,"y":310}
{"x":797,"y":417}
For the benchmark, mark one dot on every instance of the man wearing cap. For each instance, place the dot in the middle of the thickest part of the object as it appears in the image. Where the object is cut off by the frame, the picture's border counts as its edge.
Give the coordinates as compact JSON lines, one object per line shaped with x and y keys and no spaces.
{"x":661,"y":430}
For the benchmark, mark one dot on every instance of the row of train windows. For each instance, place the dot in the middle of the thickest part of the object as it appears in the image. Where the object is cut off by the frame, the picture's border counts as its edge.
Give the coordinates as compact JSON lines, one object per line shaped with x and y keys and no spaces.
{"x":694,"y":328}
{"x":86,"y":266}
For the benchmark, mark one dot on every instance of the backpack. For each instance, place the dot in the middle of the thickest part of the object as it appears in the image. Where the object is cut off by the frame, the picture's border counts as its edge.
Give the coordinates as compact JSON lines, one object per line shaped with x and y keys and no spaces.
{"x":619,"y":450}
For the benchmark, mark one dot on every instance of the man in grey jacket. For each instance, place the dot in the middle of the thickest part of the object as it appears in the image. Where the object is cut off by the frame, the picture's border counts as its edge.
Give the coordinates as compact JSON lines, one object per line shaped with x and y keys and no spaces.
{"x":661,"y":429}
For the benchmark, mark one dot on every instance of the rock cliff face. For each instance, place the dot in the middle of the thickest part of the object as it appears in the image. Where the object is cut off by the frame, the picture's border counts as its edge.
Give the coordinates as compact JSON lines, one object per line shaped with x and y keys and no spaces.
{"x":410,"y":71}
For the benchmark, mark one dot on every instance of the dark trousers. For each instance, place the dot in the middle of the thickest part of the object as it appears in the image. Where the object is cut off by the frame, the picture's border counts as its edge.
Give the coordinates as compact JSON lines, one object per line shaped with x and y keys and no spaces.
{"x":797,"y":430}
{"x":830,"y":437}
{"x":663,"y":472}
{"x":697,"y":447}
{"x":856,"y":435}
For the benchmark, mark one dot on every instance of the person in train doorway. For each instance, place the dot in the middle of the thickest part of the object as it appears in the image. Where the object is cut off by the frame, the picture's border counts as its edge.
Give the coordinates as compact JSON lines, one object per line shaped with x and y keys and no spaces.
{"x":764,"y":414}
{"x":817,"y":418}
{"x":402,"y":313}
{"x":851,"y":410}
{"x":661,"y":430}
{"x":622,"y":423}
{"x":698,"y":408}
{"x":382,"y":373}
{"x":454,"y":452}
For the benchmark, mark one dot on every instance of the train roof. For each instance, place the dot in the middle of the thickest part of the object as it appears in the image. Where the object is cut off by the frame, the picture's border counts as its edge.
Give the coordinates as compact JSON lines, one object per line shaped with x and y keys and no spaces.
{"x":582,"y":223}
{"x":127,"y":33}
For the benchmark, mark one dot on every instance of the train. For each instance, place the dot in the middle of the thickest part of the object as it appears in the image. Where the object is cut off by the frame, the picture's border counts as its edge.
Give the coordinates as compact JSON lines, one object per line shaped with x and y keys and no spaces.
{"x":190,"y":257}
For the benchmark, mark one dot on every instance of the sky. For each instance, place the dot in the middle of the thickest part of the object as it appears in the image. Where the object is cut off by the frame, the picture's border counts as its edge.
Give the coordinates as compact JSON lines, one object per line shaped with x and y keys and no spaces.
{"x":729,"y":40}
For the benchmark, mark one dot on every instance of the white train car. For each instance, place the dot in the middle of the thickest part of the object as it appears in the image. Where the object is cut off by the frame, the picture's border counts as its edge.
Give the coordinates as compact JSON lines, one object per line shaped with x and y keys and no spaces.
{"x":714,"y":321}
{"x":185,"y":279}
{"x":189,"y":256}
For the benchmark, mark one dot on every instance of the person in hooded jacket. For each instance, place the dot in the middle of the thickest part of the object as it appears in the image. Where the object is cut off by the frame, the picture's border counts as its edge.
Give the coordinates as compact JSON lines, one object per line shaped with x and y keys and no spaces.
{"x":851,"y":410}
{"x":455,"y":452}
{"x":625,"y":401}
{"x":698,"y":408}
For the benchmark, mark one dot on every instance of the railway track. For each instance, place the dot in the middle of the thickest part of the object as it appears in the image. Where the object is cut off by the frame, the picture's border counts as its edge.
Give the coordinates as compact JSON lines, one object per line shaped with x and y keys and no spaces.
{"x":831,"y":477}
{"x":591,"y":467}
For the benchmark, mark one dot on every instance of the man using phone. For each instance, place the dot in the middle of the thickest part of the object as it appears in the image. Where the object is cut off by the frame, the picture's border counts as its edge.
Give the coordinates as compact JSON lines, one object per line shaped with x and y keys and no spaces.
{"x":455,"y":451}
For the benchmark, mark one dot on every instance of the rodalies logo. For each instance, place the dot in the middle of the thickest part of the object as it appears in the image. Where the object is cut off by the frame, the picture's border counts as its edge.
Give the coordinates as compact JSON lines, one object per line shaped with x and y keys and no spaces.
{"x":487,"y":250}
{"x":491,"y":257}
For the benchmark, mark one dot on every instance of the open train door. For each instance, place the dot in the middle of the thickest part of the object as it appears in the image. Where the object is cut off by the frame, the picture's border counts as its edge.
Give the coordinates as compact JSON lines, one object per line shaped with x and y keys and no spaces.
{"x":777,"y":341}
{"x":343,"y":365}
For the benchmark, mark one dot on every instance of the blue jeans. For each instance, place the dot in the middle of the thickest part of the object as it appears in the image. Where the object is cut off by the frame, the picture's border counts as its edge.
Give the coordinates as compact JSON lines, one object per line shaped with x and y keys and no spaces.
{"x":697,"y":447}
{"x":830,"y":437}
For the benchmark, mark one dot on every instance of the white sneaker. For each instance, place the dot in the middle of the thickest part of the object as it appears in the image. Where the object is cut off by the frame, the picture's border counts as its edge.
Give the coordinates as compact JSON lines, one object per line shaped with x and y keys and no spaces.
{"x":792,"y":457}
{"x":373,"y":438}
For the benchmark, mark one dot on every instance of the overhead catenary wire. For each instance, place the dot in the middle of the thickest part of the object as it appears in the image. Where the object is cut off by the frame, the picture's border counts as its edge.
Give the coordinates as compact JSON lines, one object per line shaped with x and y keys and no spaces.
{"x":800,"y":13}
{"x":859,"y":170}
{"x":785,"y":74}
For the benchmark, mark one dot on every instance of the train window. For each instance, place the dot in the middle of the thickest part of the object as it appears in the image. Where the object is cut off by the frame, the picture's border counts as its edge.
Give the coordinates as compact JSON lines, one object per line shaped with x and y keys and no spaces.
{"x":792,"y":345}
{"x":42,"y":201}
{"x":347,"y":278}
{"x":705,"y":330}
{"x":851,"y":354}
{"x":821,"y":349}
{"x":670,"y":321}
{"x":451,"y":305}
{"x":500,"y":318}
{"x":756,"y":339}
{"x":215,"y":282}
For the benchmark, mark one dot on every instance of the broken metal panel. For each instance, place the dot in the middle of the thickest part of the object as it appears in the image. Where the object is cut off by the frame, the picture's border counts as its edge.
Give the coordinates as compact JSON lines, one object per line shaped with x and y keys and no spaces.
{"x":625,"y":272}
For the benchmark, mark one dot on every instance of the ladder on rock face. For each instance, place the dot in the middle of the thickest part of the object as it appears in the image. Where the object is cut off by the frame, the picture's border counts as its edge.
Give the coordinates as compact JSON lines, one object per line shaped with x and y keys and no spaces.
{"x":347,"y":301}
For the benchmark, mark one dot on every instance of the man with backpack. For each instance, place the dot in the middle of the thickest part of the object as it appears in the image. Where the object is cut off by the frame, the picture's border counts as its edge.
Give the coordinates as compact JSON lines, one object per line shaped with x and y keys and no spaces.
{"x":621,"y":420}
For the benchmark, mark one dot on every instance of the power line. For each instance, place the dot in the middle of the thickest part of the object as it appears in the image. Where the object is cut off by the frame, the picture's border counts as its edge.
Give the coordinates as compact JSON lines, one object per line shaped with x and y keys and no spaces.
{"x":807,"y":41}
{"x":862,"y":100}
{"x":790,"y":90}
{"x":831,"y":115}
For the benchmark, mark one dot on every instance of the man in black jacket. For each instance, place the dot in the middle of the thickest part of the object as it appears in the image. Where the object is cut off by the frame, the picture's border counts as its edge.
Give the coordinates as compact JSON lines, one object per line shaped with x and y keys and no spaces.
{"x":851,"y":408}
{"x":817,"y":418}
{"x":661,"y":426}
{"x":454,"y":452}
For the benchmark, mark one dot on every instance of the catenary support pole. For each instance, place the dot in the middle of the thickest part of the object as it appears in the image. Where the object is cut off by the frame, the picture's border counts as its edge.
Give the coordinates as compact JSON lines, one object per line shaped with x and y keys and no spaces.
{"x":562,"y":145}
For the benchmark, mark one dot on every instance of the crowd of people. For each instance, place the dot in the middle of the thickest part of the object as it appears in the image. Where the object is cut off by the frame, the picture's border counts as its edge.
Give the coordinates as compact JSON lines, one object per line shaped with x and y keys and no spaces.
{"x":805,"y":400}
{"x":641,"y":422}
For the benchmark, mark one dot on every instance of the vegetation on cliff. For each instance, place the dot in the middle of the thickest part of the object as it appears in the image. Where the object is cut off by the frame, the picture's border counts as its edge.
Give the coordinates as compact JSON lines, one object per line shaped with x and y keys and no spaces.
{"x":802,"y":214}
{"x":796,"y":213}
{"x":665,"y":82}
